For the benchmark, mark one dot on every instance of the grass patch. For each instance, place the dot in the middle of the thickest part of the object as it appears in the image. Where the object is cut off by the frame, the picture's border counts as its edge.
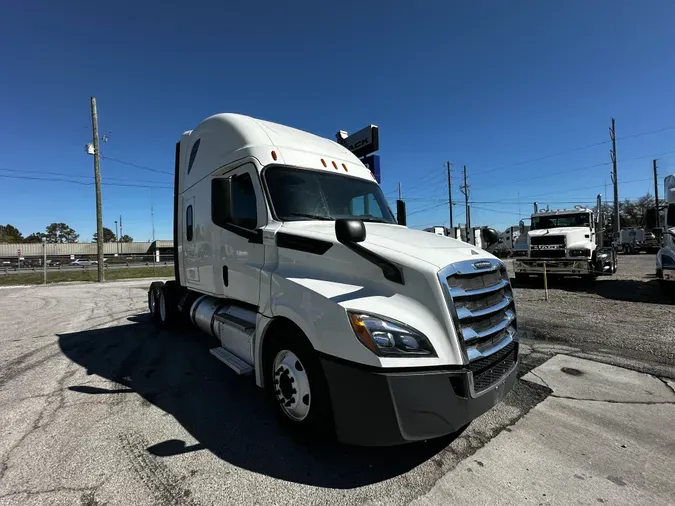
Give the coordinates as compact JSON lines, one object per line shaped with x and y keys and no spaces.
{"x":55,"y":276}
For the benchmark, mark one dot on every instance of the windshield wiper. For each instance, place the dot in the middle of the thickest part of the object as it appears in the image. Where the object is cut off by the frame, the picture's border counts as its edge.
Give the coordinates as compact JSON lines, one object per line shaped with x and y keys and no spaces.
{"x":312,"y":216}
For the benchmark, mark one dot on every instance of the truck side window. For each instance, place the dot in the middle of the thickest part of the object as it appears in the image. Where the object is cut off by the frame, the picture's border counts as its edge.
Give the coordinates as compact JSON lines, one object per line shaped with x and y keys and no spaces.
{"x":244,"y":205}
{"x":670,"y":218}
{"x":233,"y":202}
{"x":188,"y":223}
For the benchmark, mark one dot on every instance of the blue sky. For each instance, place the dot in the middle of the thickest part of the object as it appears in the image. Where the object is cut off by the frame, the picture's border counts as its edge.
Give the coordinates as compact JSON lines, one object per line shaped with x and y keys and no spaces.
{"x":493,"y":85}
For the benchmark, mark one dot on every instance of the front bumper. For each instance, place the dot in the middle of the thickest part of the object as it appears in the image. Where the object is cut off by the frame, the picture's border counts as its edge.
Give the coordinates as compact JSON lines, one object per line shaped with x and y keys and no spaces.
{"x":555,"y":266}
{"x":374,"y":407}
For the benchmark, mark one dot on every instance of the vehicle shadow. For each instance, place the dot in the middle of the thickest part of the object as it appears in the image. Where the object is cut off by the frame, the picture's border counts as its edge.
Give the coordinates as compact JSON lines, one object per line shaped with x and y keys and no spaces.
{"x":227,"y":414}
{"x":650,"y":290}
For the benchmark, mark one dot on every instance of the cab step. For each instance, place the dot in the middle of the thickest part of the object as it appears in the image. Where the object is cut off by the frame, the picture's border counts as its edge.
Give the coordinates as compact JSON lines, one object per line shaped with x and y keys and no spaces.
{"x":232,"y":361}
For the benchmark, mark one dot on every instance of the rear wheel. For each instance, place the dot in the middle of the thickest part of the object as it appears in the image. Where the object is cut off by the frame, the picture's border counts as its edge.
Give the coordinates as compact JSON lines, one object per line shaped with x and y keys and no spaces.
{"x":297,"y":386}
{"x":166,"y":306}
{"x":153,"y":299}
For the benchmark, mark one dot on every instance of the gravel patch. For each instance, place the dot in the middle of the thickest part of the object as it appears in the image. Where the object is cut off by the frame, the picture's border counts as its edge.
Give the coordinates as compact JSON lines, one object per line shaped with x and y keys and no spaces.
{"x":628,"y":314}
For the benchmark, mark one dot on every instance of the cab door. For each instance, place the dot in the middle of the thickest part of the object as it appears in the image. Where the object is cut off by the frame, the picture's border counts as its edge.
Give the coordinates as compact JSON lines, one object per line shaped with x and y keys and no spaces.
{"x":239,"y":213}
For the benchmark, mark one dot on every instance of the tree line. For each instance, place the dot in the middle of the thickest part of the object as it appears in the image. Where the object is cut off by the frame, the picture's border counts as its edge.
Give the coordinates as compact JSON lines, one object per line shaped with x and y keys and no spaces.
{"x":638,"y":213}
{"x":55,"y":233}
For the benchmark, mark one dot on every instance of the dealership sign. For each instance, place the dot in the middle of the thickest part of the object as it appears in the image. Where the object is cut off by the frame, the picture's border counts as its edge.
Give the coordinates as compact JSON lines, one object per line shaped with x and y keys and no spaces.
{"x":364,"y":142}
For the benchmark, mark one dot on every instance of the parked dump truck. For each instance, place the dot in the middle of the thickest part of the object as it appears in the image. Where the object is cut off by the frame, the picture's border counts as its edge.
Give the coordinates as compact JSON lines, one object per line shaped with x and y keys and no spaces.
{"x":665,"y":258}
{"x":566,"y":242}
{"x":357,"y":327}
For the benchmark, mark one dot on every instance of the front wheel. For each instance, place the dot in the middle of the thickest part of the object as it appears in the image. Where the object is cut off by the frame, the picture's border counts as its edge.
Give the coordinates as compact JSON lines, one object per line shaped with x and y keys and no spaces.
{"x":297,"y":386}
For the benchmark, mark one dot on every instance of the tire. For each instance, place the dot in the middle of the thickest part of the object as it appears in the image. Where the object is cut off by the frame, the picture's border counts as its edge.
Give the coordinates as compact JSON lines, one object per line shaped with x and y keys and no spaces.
{"x":153,"y":298}
{"x":297,"y":386}
{"x":166,"y":306}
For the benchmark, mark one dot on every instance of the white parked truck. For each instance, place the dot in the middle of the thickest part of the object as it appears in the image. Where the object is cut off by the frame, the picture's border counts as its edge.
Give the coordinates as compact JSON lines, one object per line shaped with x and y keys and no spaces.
{"x":635,"y":240}
{"x":568,"y":242}
{"x":665,"y":258}
{"x":288,"y":254}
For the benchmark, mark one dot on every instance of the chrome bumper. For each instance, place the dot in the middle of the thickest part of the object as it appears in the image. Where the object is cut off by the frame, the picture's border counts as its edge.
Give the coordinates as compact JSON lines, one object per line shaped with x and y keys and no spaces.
{"x":562,"y":266}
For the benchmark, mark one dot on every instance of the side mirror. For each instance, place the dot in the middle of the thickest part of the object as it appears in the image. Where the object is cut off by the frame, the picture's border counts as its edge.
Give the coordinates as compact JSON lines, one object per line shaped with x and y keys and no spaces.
{"x":521,"y":227}
{"x":489,"y":237}
{"x":671,"y":231}
{"x":350,"y":231}
{"x":221,"y":200}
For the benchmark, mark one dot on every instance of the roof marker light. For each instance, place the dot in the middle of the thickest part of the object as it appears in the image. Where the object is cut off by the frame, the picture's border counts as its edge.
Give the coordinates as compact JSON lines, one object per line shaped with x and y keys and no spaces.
{"x":274,"y":155}
{"x":335,"y":165}
{"x":324,"y":162}
{"x":344,"y":167}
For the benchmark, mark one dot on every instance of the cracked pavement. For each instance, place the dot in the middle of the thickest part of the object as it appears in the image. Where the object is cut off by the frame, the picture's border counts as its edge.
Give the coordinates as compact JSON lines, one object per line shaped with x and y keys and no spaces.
{"x":97,"y":406}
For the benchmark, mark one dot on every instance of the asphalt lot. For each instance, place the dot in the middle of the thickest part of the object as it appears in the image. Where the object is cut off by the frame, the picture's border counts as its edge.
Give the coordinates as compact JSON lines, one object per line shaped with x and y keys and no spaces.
{"x":97,"y":406}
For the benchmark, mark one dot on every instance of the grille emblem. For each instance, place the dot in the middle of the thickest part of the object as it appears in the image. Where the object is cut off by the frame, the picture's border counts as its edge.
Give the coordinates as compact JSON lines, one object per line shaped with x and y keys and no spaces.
{"x":482,"y":265}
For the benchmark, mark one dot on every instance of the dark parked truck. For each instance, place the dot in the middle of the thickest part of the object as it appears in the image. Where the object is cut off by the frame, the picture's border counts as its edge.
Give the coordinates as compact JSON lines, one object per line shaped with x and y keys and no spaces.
{"x":356,"y":326}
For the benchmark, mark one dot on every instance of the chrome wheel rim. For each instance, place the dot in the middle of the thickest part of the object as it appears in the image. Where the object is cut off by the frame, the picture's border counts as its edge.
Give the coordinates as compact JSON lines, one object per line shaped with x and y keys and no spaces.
{"x":291,"y":385}
{"x":162,"y":306}
{"x":152,"y":302}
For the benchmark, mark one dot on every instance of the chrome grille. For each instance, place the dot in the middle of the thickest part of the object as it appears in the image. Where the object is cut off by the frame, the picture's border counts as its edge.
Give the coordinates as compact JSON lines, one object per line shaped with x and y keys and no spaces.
{"x":548,"y":239}
{"x":480,"y":300}
{"x":487,"y":371}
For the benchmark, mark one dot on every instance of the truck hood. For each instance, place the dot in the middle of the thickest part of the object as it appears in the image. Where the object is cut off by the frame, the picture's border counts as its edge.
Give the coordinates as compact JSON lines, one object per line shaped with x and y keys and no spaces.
{"x":576,"y":237}
{"x":396,"y":242}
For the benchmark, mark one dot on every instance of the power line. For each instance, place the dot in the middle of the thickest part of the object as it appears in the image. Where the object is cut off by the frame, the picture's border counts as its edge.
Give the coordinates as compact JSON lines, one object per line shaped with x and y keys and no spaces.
{"x":142,"y":167}
{"x":23,"y":171}
{"x":82,"y":182}
{"x":573,"y":150}
{"x":573,"y":189}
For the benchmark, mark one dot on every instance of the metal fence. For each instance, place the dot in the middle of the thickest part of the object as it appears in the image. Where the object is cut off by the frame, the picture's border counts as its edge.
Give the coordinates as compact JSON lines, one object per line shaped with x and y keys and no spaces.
{"x":83,"y":268}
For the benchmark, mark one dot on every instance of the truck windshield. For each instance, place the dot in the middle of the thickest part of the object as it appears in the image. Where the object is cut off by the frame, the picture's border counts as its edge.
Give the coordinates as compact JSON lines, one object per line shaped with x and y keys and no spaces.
{"x":299,"y":194}
{"x":565,"y":220}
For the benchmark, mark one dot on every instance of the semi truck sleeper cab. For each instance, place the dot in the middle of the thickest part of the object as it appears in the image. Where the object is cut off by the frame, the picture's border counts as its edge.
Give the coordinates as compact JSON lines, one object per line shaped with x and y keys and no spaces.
{"x":356,"y":326}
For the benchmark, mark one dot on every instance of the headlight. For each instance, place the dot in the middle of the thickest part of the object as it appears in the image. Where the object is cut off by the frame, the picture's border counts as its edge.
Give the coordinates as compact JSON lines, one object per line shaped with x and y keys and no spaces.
{"x":580,"y":252}
{"x":388,"y":338}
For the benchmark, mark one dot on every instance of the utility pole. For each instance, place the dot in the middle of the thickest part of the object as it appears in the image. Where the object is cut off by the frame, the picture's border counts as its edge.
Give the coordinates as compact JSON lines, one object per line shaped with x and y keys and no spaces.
{"x":448,"y":164}
{"x":465,"y":191}
{"x":656,"y":194}
{"x":152,"y":217}
{"x":44,"y":259}
{"x":615,"y":179}
{"x":121,"y":243}
{"x":97,"y":182}
{"x":117,"y":239}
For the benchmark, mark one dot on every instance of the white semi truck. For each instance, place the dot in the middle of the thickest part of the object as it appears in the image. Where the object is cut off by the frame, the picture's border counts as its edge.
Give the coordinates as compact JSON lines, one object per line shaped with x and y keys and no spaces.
{"x":356,"y":326}
{"x":566,"y":242}
{"x":665,"y":258}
